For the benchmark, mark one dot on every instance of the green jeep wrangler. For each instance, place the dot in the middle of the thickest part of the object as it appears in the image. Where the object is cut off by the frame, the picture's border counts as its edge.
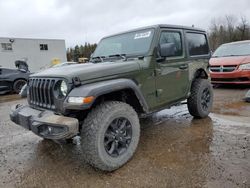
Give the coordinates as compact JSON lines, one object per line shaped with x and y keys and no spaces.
{"x":130,"y":75}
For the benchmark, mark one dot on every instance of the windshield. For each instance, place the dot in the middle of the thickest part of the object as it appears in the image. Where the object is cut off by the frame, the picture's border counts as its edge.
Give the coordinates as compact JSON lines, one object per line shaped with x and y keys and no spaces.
{"x":133,"y":43}
{"x":237,"y":49}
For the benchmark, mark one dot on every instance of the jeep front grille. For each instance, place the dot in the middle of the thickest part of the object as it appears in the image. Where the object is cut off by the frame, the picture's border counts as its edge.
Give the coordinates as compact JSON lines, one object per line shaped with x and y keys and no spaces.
{"x":41,"y":92}
{"x":224,"y":68}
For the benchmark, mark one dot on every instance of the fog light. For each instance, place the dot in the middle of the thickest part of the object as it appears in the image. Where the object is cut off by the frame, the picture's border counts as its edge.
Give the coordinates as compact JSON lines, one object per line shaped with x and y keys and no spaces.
{"x":47,"y":130}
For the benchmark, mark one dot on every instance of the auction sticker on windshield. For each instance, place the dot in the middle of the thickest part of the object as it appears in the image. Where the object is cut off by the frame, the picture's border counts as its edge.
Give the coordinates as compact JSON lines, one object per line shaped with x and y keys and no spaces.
{"x":142,"y":35}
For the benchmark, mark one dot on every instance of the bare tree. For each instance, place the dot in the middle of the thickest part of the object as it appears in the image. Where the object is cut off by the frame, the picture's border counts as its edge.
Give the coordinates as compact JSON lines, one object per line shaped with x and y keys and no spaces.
{"x":230,"y":24}
{"x":243,"y":28}
{"x":228,"y":29}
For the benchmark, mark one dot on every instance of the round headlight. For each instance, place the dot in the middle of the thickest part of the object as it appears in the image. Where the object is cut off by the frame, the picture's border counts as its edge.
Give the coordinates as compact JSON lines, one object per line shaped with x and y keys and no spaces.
{"x":63,"y":88}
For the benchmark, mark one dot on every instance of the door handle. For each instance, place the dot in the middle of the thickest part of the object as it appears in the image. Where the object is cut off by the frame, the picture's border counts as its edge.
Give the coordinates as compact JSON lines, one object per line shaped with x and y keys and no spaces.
{"x":182,"y":67}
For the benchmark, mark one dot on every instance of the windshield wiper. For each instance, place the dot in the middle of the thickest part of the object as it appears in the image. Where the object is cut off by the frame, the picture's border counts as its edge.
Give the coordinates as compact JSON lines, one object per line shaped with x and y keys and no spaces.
{"x":123,"y":56}
{"x":225,"y":56}
{"x":101,"y":58}
{"x":230,"y":55}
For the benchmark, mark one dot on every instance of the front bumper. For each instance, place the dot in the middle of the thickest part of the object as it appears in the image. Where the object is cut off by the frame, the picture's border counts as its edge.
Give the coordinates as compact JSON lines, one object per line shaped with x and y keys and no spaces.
{"x":235,"y":77}
{"x":44,"y":123}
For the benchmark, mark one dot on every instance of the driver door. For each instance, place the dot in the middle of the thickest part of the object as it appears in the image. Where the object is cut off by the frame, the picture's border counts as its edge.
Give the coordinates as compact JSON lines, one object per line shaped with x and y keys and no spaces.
{"x":172,"y":73}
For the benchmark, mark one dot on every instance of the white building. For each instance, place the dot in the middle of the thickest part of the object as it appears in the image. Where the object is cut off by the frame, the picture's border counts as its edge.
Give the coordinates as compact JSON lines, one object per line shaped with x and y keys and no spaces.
{"x":40,"y":53}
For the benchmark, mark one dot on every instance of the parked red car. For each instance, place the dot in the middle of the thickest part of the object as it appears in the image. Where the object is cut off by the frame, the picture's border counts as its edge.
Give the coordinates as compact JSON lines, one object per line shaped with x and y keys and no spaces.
{"x":230,"y":63}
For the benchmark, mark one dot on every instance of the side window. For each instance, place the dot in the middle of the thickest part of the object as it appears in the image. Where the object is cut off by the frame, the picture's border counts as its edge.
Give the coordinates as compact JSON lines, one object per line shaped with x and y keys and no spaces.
{"x":44,"y":47}
{"x":173,"y":37}
{"x":6,"y":46}
{"x":197,"y":44}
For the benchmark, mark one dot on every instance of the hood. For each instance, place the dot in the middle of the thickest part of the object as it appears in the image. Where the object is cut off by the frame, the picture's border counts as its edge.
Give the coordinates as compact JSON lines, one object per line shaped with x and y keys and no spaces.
{"x":90,"y":71}
{"x":235,"y":60}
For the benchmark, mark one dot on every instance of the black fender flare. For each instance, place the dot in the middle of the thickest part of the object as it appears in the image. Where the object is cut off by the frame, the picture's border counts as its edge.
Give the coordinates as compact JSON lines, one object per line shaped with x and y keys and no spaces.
{"x":104,"y":87}
{"x":198,"y":73}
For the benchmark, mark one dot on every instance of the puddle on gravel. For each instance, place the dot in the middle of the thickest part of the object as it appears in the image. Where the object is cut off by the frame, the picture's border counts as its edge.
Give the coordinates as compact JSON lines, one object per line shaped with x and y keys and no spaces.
{"x":8,"y":98}
{"x":233,"y":108}
{"x":175,"y":150}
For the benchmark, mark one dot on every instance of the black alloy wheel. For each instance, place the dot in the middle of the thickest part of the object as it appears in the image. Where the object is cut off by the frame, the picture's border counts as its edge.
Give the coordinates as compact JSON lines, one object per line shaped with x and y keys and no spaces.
{"x":205,"y":99}
{"x":118,"y":137}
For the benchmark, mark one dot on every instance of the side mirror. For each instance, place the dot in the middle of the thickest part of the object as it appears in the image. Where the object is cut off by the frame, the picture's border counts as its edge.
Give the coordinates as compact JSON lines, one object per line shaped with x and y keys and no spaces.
{"x":167,"y":49}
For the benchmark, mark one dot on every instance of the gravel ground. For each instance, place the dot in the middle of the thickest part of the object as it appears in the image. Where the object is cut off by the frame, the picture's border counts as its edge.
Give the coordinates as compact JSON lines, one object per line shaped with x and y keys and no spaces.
{"x":175,"y":150}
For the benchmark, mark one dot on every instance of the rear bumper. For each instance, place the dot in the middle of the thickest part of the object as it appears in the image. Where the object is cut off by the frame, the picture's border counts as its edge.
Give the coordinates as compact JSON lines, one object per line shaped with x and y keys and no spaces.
{"x":44,"y":123}
{"x":235,"y":77}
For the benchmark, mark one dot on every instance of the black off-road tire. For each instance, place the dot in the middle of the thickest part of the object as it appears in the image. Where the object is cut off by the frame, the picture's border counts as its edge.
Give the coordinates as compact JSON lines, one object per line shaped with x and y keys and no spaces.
{"x":195,"y":101}
{"x":18,"y":84}
{"x":96,"y":125}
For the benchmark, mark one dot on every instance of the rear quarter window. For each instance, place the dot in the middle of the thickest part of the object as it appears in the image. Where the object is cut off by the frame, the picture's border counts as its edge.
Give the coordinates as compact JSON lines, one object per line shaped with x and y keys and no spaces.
{"x":197,"y":44}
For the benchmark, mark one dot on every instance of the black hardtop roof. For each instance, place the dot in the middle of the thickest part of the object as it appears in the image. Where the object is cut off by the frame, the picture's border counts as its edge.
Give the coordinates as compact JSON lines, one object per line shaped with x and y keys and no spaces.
{"x":181,"y":27}
{"x":160,"y":26}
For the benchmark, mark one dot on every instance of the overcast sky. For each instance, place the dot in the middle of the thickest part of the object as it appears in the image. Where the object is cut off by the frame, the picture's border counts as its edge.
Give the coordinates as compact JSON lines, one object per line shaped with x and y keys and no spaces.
{"x":78,"y":21}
